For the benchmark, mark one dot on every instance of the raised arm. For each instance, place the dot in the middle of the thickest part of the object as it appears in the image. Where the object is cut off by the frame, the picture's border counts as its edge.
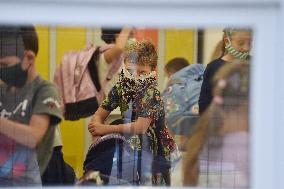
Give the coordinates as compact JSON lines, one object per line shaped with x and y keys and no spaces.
{"x":115,"y":52}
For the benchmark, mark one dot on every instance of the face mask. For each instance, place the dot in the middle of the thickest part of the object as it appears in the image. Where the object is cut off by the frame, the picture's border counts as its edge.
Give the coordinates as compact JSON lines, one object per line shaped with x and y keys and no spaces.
{"x":237,"y":54}
{"x":139,"y":79}
{"x":132,"y":86}
{"x":14,"y":75}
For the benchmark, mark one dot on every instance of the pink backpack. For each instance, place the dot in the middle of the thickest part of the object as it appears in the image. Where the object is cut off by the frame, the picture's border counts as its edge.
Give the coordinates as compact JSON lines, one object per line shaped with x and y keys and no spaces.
{"x":78,"y":81}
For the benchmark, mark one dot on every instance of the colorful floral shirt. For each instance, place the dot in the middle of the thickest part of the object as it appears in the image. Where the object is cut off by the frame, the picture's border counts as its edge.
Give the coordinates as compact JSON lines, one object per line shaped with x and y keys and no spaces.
{"x":145,"y":103}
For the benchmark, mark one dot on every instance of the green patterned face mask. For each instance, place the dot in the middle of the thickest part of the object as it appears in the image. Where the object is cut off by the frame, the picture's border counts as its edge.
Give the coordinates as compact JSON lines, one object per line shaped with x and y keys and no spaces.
{"x":237,"y":54}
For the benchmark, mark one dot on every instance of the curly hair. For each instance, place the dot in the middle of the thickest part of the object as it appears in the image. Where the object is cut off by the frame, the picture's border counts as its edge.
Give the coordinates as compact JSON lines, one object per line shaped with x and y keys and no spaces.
{"x":142,"y":53}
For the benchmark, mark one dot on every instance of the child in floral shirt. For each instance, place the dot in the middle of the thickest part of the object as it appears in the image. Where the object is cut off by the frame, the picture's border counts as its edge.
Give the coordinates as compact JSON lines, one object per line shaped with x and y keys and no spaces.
{"x":142,"y":109}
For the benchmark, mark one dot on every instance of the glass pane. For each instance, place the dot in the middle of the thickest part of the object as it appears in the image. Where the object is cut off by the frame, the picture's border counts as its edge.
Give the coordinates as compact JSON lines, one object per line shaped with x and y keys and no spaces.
{"x":124,"y":106}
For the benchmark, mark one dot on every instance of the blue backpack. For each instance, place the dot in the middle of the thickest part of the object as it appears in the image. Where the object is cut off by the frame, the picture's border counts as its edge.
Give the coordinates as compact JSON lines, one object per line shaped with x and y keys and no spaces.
{"x":181,"y":99}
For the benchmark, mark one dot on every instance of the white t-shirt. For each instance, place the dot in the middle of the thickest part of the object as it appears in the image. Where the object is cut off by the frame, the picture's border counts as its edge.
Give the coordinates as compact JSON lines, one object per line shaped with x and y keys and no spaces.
{"x":225,"y":165}
{"x":103,"y":69}
{"x":57,"y":137}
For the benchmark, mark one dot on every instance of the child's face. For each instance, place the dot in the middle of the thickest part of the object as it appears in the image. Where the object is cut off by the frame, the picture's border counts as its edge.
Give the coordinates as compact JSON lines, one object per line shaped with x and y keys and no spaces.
{"x":241,"y":41}
{"x":137,"y":70}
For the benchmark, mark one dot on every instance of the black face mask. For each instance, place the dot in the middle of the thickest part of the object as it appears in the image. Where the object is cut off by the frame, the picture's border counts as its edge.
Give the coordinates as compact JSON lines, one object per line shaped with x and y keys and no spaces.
{"x":14,"y":75}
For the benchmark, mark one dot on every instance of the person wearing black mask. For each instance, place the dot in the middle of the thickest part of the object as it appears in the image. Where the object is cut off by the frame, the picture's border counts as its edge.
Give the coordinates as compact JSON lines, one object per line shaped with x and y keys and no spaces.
{"x":29,"y":109}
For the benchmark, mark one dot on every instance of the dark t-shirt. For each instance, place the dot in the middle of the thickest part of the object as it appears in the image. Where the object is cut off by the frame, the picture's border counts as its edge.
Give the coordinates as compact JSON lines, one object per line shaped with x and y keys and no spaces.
{"x":205,"y":97}
{"x":18,"y":164}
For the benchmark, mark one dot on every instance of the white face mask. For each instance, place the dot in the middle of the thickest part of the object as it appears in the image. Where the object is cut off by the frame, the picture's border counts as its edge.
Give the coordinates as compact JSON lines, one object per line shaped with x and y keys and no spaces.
{"x":140,"y":78}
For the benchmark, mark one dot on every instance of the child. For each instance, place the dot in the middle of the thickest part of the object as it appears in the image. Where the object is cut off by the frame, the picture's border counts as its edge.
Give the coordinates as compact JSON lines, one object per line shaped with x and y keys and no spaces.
{"x":174,"y":65}
{"x":142,"y":108}
{"x":237,"y":45}
{"x":218,"y":151}
{"x":29,"y":108}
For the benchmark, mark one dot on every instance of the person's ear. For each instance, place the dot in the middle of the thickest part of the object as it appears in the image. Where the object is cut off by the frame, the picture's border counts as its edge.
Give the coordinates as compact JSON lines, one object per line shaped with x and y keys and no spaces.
{"x":29,"y":59}
{"x":226,"y":40}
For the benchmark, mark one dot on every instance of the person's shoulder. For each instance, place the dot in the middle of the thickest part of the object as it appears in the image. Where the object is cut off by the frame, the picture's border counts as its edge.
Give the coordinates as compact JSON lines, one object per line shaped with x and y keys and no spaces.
{"x":43,"y":85}
{"x":153,"y":92}
{"x":116,"y":90}
{"x":116,"y":86}
{"x":216,"y":63}
{"x":213,"y":66}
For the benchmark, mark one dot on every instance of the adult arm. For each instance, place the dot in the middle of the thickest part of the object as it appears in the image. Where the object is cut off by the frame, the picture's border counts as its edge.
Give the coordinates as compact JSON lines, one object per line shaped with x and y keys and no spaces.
{"x":115,"y":52}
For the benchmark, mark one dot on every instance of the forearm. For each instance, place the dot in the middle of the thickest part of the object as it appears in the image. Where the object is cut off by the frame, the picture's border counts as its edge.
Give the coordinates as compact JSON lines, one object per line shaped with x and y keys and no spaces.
{"x":115,"y":52}
{"x":97,"y":119}
{"x":138,"y":127}
{"x":100,"y":116}
{"x":122,"y":38}
{"x":129,"y":128}
{"x":21,"y":133}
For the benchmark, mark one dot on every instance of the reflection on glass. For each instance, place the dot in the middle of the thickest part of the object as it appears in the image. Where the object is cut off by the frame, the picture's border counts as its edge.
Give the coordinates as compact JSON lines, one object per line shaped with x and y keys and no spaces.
{"x":124,"y":107}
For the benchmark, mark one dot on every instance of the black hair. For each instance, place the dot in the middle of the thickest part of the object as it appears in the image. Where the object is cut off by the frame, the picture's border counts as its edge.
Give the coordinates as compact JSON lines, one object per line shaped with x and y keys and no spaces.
{"x":30,"y":38}
{"x":26,"y":32}
{"x":109,"y":34}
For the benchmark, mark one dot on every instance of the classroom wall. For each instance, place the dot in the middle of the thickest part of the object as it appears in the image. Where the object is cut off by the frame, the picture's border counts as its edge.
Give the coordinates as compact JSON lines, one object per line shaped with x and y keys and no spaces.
{"x":72,"y":131}
{"x":180,"y":43}
{"x":211,"y":37}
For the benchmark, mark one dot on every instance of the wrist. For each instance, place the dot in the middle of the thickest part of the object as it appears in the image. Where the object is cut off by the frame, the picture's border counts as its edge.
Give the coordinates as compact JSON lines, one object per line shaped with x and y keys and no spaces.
{"x":120,"y":128}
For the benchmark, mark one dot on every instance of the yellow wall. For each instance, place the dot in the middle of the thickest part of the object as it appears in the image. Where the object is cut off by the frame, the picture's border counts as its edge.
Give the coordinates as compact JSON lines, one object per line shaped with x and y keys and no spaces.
{"x":42,"y":62}
{"x":72,"y":131}
{"x":180,"y":43}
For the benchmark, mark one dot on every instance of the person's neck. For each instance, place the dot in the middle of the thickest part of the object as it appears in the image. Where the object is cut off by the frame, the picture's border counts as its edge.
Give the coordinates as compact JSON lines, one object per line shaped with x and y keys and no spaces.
{"x":31,"y":76}
{"x":232,"y":59}
{"x":228,"y":58}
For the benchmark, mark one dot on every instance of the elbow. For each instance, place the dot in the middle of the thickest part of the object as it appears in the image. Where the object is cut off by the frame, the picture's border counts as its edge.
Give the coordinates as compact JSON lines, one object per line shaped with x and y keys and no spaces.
{"x":139,"y":130}
{"x":32,"y":146}
{"x":32,"y":143}
{"x":141,"y":126}
{"x":143,"y":131}
{"x":119,"y":48}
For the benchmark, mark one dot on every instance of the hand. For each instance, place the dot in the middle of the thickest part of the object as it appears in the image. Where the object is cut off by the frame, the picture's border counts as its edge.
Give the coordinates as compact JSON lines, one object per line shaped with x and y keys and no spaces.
{"x":96,"y":129}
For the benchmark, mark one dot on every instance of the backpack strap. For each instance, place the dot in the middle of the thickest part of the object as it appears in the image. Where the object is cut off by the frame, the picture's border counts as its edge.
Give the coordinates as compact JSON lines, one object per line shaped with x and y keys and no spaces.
{"x":139,"y":161}
{"x":93,"y":69}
